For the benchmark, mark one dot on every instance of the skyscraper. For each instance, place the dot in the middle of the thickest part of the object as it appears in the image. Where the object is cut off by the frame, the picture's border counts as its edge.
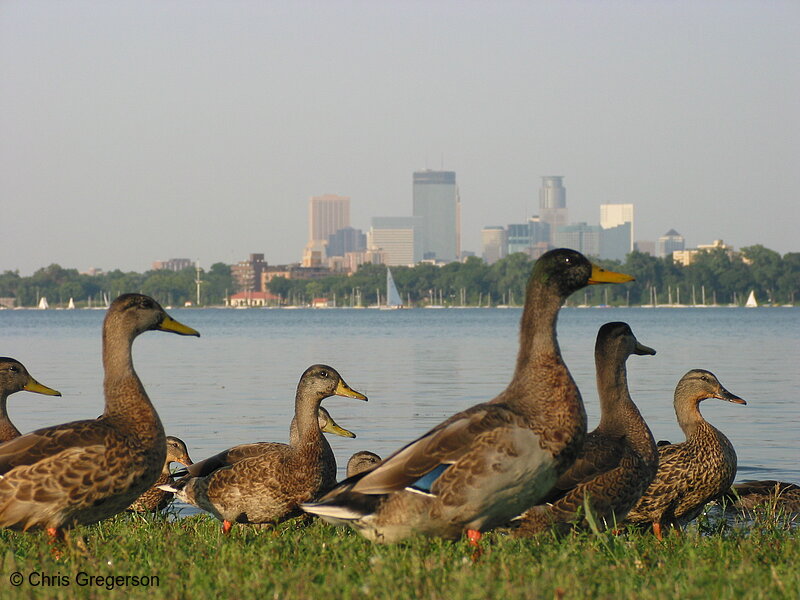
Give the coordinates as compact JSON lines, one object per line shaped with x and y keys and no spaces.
{"x":327,"y":214}
{"x":495,"y":244}
{"x":669,"y":243}
{"x":553,"y":203}
{"x":400,"y":238}
{"x":437,"y":204}
{"x":616,"y":221}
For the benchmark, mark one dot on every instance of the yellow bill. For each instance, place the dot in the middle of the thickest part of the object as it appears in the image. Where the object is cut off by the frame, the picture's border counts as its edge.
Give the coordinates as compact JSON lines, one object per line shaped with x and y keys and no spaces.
{"x":342,"y":389}
{"x":334,"y":428}
{"x":601,"y":275}
{"x":37,"y":388}
{"x":170,"y":324}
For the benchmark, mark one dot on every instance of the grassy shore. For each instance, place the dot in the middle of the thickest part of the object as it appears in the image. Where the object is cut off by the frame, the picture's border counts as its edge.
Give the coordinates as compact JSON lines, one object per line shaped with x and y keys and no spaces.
{"x":191,"y":559}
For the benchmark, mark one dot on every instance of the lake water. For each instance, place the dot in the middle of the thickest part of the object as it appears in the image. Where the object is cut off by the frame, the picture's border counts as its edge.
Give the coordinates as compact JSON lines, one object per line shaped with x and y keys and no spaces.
{"x":236,"y":383}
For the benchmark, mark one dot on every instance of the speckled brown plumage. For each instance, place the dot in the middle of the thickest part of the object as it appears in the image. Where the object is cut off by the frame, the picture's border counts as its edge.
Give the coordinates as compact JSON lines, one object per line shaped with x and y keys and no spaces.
{"x":85,"y":471}
{"x":490,"y":462}
{"x":691,"y":473}
{"x":779,"y":495}
{"x":618,"y":459}
{"x":14,"y":377}
{"x":156,"y":499}
{"x":265,"y":482}
{"x":362,"y":461}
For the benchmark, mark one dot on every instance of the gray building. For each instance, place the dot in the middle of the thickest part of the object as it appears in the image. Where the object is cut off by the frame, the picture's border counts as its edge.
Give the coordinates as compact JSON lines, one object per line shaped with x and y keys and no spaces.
{"x":346,"y":240}
{"x":615,"y":242}
{"x":495,"y":244}
{"x":581,"y":237}
{"x":437,"y":204}
{"x":553,"y":204}
{"x":669,"y":243}
{"x":400,"y":238}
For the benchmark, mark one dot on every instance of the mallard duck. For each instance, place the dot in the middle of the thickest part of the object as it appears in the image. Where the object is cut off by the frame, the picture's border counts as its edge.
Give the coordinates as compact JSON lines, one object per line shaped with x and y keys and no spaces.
{"x":691,"y":473}
{"x":489,"y":463}
{"x":14,"y":377}
{"x":618,"y":459}
{"x":361,"y":461}
{"x":156,"y":499}
{"x":750,"y":494}
{"x":265,"y":482}
{"x":83,"y":472}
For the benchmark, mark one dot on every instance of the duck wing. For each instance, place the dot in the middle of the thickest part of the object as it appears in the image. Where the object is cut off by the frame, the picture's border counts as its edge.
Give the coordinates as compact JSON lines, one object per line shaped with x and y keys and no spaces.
{"x":229,"y":457}
{"x":419,"y":463}
{"x":47,"y":442}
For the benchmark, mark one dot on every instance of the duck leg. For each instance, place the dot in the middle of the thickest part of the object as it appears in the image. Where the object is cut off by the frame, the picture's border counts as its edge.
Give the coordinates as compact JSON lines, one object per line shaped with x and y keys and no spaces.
{"x":56,"y":539}
{"x":474,"y":537}
{"x":657,"y":531}
{"x":226,"y":527}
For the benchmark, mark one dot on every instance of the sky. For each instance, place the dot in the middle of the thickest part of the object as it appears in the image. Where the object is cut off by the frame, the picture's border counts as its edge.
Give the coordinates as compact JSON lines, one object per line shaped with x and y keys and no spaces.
{"x":134,"y":131}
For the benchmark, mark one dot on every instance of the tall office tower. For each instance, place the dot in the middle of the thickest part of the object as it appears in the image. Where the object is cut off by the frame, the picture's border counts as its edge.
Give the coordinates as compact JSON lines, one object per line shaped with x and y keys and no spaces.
{"x":437,"y":203}
{"x":400,"y":238}
{"x":495,"y":244}
{"x":616,"y":222}
{"x":669,"y":243}
{"x":346,"y":240}
{"x":553,"y":203}
{"x":579,"y":236}
{"x":540,"y":236}
{"x":327,"y":214}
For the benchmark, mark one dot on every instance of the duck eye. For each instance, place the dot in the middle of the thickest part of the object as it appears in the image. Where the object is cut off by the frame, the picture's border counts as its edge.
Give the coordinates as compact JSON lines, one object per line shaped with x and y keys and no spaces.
{"x":323,"y":373}
{"x":14,"y":369}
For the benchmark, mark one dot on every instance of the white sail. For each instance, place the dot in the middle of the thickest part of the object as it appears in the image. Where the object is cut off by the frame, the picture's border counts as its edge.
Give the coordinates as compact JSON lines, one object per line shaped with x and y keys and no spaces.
{"x":71,"y":304}
{"x":43,"y":303}
{"x":393,"y":299}
{"x":751,"y":300}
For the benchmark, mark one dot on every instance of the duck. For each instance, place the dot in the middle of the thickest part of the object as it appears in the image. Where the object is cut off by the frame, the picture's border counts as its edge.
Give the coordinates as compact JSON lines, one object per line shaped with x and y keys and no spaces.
{"x":82,"y":472}
{"x":14,"y":377}
{"x":155,"y":499}
{"x":489,"y":463}
{"x":264,"y":483}
{"x":326,"y":425}
{"x":748,"y":495}
{"x":694,"y":472}
{"x":362,"y":461}
{"x":619,"y":458}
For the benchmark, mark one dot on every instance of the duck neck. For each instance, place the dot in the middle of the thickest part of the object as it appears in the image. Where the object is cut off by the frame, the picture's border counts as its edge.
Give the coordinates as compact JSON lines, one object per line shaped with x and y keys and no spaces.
{"x":612,"y":387}
{"x":7,"y":429}
{"x":306,"y":419}
{"x":689,"y":418}
{"x":125,"y":396}
{"x":538,"y":341}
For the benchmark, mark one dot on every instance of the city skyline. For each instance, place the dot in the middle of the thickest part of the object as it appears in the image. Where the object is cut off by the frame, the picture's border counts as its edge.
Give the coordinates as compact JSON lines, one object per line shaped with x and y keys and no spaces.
{"x":134,"y":132}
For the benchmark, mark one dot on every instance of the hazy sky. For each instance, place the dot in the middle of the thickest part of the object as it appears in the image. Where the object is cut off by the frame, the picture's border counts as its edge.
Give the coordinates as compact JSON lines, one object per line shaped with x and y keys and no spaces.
{"x":133,"y":131}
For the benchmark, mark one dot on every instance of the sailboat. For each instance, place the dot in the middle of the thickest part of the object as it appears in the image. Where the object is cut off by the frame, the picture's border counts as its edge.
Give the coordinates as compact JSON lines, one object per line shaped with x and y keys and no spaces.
{"x":393,"y":299}
{"x":71,"y":305}
{"x":43,"y":305}
{"x":751,"y":300}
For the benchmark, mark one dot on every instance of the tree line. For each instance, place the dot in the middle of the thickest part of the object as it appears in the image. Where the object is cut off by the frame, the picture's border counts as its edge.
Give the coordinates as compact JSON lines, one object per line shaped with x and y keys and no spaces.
{"x":715,"y":276}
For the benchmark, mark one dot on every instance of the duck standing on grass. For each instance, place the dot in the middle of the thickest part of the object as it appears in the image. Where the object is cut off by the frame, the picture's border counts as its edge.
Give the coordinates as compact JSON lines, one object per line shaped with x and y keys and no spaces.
{"x":265,"y":482}
{"x":618,"y":460}
{"x":155,"y":499}
{"x":83,"y":472}
{"x":14,"y":377}
{"x":489,"y":463}
{"x":695,"y":472}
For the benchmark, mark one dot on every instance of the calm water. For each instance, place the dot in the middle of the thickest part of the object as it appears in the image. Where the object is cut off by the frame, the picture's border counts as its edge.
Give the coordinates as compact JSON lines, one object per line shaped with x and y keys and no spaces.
{"x":236,"y":383}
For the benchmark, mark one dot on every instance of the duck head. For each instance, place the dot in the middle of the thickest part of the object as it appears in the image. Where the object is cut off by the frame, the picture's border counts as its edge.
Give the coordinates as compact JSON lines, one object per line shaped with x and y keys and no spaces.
{"x":617,"y":338}
{"x":177,"y":451}
{"x":139,"y":313}
{"x":698,"y":385}
{"x":569,"y":270}
{"x":14,"y":377}
{"x":322,"y":381}
{"x":328,"y":425}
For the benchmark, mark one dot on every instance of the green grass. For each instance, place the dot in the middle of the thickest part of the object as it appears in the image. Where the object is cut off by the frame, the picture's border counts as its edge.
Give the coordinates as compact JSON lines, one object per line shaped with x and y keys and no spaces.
{"x":191,"y":558}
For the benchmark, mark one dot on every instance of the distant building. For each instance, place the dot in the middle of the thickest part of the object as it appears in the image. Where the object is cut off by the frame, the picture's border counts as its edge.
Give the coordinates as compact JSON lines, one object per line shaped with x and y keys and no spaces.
{"x":519,"y":238}
{"x":645,"y":247}
{"x":327,"y":214}
{"x":437,"y":204}
{"x":173,"y":264}
{"x":399,"y":238}
{"x":346,"y":240}
{"x":253,"y":299}
{"x":579,"y":236}
{"x":687,"y":257}
{"x":616,"y":221}
{"x":494,"y":244}
{"x":247,"y":273}
{"x":553,"y":204}
{"x":668,"y":243}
